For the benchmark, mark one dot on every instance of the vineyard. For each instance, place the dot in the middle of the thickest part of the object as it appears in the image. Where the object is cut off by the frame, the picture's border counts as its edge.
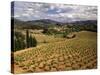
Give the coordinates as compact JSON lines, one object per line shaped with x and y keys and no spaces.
{"x":59,"y":55}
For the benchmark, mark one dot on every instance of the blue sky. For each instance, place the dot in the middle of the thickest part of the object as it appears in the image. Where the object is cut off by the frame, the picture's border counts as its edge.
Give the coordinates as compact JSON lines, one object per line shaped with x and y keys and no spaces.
{"x":58,"y":12}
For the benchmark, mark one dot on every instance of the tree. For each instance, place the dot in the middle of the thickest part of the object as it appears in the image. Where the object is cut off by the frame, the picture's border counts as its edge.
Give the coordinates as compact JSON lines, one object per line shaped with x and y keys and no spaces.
{"x":27,"y":38}
{"x":18,"y":41}
{"x":30,"y":41}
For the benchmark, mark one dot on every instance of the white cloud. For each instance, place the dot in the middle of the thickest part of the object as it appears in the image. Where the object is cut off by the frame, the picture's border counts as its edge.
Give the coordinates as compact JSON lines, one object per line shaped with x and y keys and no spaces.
{"x":58,"y":11}
{"x":54,"y":11}
{"x":52,"y":7}
{"x":25,"y":14}
{"x":30,"y":9}
{"x":16,"y":16}
{"x":70,"y":15}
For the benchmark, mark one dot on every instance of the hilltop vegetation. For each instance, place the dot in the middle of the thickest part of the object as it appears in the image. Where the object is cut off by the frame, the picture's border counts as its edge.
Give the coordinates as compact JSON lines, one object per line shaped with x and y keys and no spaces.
{"x":89,"y":25}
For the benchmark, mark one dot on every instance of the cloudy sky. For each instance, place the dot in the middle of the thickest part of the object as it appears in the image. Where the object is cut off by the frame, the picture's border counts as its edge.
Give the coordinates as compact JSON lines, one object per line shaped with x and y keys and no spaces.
{"x":58,"y":12}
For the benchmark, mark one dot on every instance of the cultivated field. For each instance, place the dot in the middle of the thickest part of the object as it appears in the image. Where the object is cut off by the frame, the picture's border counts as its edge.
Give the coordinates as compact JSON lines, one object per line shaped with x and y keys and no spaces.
{"x":58,"y":54}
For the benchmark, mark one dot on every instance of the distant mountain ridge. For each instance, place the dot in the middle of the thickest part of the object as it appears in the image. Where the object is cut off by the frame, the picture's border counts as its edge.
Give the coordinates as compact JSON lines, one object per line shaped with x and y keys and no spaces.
{"x":85,"y":22}
{"x":48,"y":22}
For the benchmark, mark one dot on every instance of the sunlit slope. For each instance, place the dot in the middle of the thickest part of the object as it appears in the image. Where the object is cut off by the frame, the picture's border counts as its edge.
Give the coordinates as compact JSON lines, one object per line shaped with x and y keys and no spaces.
{"x":68,"y":54}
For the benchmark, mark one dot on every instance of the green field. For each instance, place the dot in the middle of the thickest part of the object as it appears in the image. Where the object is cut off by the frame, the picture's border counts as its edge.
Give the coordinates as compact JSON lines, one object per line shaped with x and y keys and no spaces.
{"x":58,"y":54}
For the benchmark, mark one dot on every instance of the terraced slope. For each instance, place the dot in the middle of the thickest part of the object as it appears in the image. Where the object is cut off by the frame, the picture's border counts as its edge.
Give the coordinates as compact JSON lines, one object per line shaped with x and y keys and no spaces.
{"x":68,"y":54}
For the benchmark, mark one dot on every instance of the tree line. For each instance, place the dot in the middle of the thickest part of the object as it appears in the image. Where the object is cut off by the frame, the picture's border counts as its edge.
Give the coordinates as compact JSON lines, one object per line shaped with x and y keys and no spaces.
{"x":22,"y":41}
